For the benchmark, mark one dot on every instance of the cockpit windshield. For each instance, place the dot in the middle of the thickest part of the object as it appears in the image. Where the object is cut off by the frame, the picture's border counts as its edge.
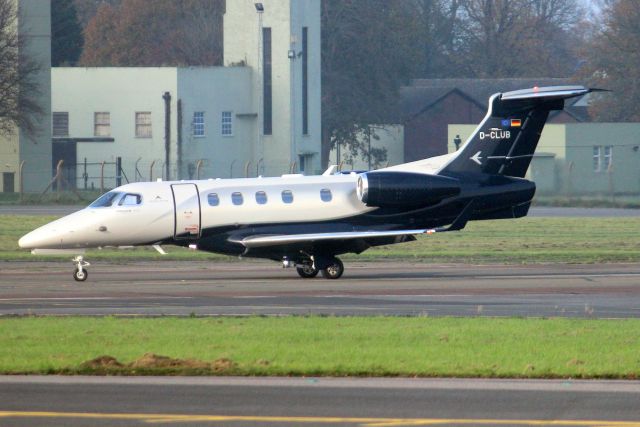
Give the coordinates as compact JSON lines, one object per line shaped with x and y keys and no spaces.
{"x":130,"y":199}
{"x":106,"y":200}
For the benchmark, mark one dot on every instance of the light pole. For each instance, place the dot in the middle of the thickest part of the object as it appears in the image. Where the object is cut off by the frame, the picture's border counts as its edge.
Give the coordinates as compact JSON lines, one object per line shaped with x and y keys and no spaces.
{"x":260,"y":10}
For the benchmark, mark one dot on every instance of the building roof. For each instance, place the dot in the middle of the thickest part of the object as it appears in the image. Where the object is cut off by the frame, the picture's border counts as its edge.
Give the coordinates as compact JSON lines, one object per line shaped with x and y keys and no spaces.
{"x":422,"y":94}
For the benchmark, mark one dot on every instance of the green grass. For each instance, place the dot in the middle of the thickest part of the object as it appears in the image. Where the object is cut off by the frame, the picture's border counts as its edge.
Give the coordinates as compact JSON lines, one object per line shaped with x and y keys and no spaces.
{"x":588,"y":201}
{"x":51,"y":198}
{"x":525,"y":240}
{"x":319,"y":346}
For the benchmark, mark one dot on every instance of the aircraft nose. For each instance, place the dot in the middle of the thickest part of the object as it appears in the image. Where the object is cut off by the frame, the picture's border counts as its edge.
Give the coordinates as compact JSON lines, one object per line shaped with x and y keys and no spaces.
{"x":37,"y":239}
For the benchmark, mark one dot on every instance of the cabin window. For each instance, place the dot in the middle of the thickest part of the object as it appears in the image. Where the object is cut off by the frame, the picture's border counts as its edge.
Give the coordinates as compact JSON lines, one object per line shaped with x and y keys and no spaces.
{"x":130,"y":200}
{"x":325,"y":195}
{"x":106,"y":200}
{"x":261,"y":197}
{"x":287,"y":196}
{"x":213,"y":199}
{"x":236,"y":198}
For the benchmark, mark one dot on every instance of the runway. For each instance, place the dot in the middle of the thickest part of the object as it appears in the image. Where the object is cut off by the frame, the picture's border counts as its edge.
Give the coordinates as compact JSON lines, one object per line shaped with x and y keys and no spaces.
{"x":109,"y":401}
{"x":367,"y":288}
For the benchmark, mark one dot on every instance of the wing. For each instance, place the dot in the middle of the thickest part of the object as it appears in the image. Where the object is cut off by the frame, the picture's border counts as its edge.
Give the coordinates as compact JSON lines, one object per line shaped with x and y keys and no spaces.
{"x":277,"y":246}
{"x":287,"y":239}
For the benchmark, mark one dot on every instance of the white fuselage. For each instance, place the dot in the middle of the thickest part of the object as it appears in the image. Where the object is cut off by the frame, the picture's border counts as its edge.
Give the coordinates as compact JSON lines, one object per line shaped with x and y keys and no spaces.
{"x":169,"y":209}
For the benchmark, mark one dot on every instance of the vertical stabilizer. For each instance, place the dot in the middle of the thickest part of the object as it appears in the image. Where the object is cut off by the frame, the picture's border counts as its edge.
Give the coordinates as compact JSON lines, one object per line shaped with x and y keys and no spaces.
{"x":504,"y":143}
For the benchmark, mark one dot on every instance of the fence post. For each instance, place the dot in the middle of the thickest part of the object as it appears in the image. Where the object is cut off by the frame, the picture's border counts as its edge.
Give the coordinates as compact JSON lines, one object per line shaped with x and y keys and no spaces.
{"x":59,"y":178}
{"x":611,"y":188}
{"x":138,"y":174}
{"x":21,"y":180}
{"x":118,"y":171}
{"x":570,"y":179}
{"x":198,"y":166}
{"x":102,"y":177}
{"x":85,"y":175}
{"x":151,"y":171}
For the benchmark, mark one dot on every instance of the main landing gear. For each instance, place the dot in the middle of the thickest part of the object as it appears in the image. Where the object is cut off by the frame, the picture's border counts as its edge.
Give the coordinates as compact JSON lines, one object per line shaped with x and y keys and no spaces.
{"x":81,"y":273}
{"x":334,"y":270}
{"x":330,"y":267}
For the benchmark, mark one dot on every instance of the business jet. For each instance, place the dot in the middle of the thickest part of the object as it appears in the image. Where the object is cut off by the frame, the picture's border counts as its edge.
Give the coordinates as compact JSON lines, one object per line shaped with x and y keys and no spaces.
{"x":307,"y":221}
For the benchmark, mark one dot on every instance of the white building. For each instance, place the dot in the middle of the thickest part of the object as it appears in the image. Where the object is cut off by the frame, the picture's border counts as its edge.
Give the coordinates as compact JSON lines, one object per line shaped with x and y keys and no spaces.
{"x":34,"y":27}
{"x":259,"y":114}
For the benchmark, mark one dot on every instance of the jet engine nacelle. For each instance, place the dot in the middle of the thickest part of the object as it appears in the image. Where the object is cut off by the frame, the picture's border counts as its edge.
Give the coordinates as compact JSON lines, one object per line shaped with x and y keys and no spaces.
{"x":382,"y":189}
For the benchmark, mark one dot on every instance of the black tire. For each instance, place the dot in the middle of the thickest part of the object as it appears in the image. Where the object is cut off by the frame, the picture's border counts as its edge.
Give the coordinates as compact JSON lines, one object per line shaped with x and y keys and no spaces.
{"x":80,"y":277}
{"x":307,"y":271}
{"x":334,"y":270}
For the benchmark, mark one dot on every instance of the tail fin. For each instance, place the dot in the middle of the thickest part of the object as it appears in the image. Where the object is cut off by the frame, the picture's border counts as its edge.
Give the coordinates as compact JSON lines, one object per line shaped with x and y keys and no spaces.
{"x":504,"y":143}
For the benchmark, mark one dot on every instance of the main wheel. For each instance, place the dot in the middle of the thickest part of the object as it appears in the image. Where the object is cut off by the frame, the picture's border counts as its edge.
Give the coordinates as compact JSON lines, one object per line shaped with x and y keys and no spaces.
{"x":307,"y":271}
{"x":333,"y":270}
{"x":80,"y":276}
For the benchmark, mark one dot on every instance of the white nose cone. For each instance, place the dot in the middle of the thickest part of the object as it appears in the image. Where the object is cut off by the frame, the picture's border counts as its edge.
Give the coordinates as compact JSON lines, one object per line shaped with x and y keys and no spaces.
{"x":55,"y":235}
{"x":40,"y":238}
{"x":27,"y":241}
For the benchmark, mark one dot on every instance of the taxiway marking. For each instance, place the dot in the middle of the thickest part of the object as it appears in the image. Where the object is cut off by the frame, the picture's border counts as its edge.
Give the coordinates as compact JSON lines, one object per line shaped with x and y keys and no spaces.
{"x":361,"y":421}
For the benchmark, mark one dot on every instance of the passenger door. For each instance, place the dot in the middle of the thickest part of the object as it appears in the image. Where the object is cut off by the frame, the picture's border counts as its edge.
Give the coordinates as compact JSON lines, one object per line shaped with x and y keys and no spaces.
{"x":186,"y":201}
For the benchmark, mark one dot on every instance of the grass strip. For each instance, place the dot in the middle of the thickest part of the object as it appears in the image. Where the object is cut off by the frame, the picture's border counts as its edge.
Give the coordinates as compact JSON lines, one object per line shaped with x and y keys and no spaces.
{"x":323,"y":346}
{"x":525,"y":240}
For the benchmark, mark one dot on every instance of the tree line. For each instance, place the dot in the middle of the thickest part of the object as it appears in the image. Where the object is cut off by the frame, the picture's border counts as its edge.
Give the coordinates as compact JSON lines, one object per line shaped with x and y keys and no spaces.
{"x":370,"y":48}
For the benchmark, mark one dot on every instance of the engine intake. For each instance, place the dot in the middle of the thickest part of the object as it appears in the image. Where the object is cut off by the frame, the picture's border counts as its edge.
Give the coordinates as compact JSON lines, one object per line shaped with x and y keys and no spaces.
{"x":396,"y":189}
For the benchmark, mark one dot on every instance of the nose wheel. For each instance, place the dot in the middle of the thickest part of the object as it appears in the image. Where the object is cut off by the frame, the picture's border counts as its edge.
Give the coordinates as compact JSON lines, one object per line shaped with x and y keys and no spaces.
{"x":81,"y":273}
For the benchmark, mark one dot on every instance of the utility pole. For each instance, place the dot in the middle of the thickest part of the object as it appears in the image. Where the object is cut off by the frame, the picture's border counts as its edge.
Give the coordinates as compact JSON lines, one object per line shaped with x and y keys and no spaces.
{"x":167,"y":134}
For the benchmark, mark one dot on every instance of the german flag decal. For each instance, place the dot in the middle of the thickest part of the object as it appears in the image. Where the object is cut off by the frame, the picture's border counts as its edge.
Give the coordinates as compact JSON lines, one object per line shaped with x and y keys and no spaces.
{"x":516,"y":123}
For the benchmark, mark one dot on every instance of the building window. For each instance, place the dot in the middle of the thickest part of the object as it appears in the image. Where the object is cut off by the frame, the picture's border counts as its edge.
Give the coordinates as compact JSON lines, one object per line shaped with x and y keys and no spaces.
{"x":227,"y":123}
{"x":102,"y":124}
{"x":305,"y":82}
{"x":608,"y":157}
{"x":597,"y":160}
{"x":325,"y":195}
{"x":213,"y":199}
{"x":261,"y":197}
{"x":60,"y":124}
{"x":143,"y":124}
{"x":236,"y":198}
{"x":267,"y":113}
{"x":198,"y":124}
{"x":287,"y":196}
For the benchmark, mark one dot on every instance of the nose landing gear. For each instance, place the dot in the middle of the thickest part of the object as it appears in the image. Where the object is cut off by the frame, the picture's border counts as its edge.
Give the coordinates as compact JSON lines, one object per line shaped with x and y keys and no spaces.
{"x":81,"y":273}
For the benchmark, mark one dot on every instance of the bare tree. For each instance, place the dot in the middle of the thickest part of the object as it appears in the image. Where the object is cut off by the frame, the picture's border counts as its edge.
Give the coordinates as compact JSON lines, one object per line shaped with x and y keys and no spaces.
{"x":19,"y":90}
{"x":614,"y":62}
{"x":507,"y":38}
{"x":154,"y":33}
